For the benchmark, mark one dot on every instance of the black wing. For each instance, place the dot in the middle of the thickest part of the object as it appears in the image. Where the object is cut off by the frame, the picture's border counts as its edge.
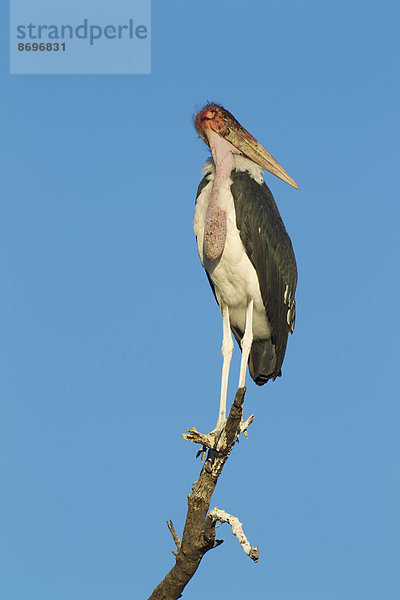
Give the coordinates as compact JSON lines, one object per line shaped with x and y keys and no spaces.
{"x":205,"y":181}
{"x":270,"y":250}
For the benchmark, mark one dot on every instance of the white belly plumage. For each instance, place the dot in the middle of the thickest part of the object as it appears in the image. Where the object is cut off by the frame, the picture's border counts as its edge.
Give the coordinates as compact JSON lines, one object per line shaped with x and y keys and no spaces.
{"x":234,"y":277}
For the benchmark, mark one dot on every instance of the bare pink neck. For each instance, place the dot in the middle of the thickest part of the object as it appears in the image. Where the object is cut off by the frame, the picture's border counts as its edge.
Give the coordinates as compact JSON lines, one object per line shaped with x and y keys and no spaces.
{"x":215,"y":225}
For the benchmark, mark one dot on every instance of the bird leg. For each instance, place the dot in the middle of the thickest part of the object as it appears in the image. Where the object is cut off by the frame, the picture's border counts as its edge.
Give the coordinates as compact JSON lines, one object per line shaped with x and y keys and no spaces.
{"x":246,"y":344}
{"x":216,"y":438}
{"x":227,"y":349}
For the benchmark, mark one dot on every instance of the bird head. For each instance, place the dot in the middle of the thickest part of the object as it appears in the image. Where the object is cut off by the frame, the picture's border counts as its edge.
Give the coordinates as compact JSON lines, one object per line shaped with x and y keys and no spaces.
{"x":215,"y":118}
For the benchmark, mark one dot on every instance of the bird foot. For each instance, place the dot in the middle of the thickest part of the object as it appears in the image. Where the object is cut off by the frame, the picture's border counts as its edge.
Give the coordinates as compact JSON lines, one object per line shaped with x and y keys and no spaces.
{"x":216,"y":439}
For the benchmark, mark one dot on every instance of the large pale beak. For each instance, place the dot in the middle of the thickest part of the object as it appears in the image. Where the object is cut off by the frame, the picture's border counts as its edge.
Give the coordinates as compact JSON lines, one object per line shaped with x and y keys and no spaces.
{"x":243,"y":141}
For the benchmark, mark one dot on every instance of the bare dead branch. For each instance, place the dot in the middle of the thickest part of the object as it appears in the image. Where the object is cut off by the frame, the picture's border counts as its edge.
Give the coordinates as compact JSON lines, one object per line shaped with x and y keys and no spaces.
{"x":199,"y":530}
{"x":220,"y":515}
{"x":177,"y":540}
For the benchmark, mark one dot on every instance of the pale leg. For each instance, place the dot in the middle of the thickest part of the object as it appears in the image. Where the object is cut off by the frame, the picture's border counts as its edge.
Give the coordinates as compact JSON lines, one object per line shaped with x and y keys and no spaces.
{"x":227,"y":349}
{"x":217,"y":438}
{"x":247,"y":341}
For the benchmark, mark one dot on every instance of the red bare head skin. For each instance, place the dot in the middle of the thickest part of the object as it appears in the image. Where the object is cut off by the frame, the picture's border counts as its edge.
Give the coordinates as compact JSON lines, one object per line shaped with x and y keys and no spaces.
{"x":217,"y":118}
{"x":213,"y":116}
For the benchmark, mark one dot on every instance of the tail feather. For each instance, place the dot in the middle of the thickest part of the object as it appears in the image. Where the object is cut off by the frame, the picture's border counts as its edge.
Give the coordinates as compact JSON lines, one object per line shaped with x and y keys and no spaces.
{"x":262,"y":362}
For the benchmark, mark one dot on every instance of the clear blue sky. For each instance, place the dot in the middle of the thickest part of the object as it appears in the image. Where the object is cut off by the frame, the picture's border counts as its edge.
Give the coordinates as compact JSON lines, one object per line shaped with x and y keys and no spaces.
{"x":110,"y":336}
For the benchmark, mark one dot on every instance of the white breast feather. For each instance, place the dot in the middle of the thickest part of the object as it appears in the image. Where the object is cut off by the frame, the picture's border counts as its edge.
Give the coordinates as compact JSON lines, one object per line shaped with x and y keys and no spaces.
{"x":234,"y":277}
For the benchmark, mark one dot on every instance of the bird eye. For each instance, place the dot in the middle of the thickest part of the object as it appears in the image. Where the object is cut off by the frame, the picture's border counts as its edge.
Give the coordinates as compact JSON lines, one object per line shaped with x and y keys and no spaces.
{"x":210,"y":115}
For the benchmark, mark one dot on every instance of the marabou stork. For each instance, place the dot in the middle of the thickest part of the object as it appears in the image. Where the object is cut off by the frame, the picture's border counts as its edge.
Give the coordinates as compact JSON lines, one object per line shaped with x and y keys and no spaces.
{"x":244,"y":248}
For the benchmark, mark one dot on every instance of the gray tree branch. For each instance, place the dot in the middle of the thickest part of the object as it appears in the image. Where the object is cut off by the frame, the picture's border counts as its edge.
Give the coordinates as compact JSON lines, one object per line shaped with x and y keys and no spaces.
{"x":199,"y":531}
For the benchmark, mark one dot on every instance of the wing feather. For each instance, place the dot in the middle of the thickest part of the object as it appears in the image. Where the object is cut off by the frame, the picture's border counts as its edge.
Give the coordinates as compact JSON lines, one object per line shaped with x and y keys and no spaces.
{"x":270,"y":250}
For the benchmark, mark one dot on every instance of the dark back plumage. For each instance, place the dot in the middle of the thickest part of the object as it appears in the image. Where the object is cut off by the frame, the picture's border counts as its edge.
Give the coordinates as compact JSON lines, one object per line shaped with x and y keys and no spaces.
{"x":270,"y":251}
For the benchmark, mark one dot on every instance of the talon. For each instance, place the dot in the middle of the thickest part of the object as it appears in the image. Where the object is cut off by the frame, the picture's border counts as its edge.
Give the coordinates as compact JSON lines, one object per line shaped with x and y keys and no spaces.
{"x":215,"y":440}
